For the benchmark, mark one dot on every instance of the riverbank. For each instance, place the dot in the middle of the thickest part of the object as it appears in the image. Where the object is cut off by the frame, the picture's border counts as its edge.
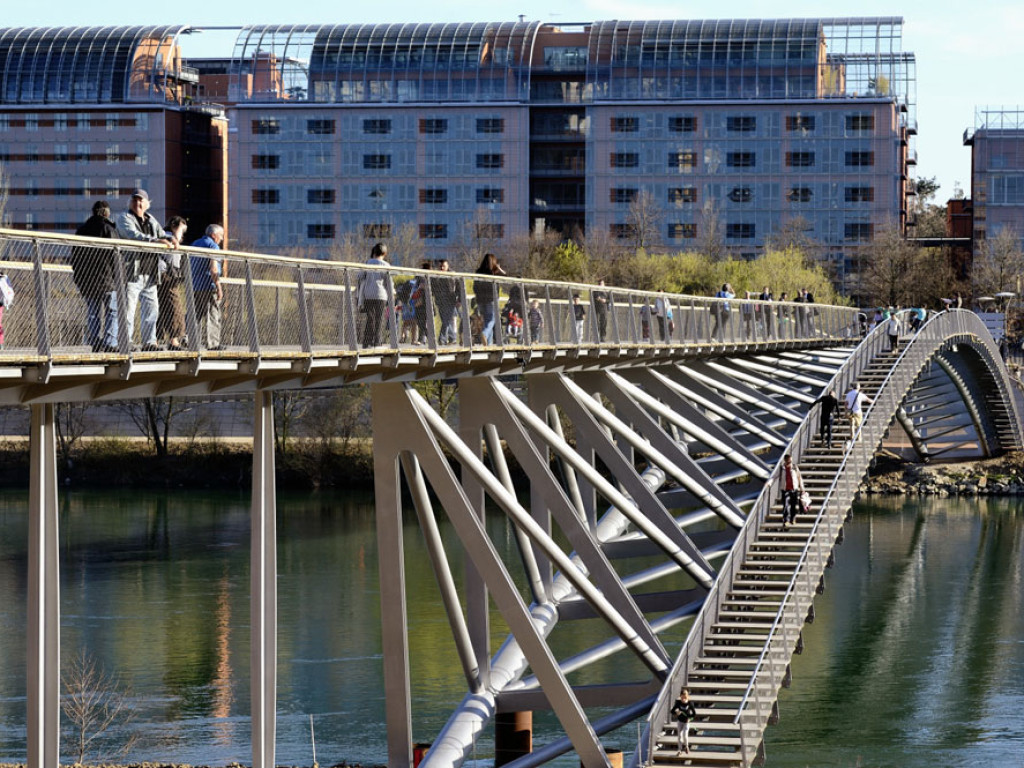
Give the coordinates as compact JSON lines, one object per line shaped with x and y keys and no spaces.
{"x":1003,"y":476}
{"x":220,"y":464}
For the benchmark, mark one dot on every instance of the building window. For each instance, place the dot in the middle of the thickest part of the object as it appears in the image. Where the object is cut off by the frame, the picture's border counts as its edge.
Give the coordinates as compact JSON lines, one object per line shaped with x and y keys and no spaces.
{"x":741,"y":194}
{"x":490,"y":162}
{"x":625,"y":160}
{"x":677,"y":231}
{"x":376,"y":231}
{"x":320,"y":231}
{"x":61,"y":153}
{"x":82,"y":155}
{"x":432,"y":126}
{"x":859,"y":231}
{"x":799,"y":159}
{"x":433,"y":231}
{"x":377,"y":126}
{"x":266,"y":162}
{"x":625,"y":124}
{"x":620,"y":231}
{"x":376,"y":162}
{"x":860,"y":194}
{"x":682,"y":124}
{"x":490,"y":231}
{"x":683,"y":162}
{"x":320,"y":196}
{"x":266,"y":126}
{"x":682,"y":194}
{"x":799,"y":195}
{"x":623,"y":194}
{"x":860,"y":159}
{"x":744,"y":124}
{"x":266,"y":196}
{"x":485,"y":195}
{"x":320,"y":127}
{"x":860,"y":122}
{"x":740,"y":159}
{"x":113,"y":154}
{"x":432,"y":196}
{"x":744,"y":231}
{"x":799,"y":122}
{"x":490,"y":125}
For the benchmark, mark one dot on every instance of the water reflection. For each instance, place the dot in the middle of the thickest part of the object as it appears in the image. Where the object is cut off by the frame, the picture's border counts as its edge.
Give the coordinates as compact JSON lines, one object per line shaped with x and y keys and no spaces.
{"x":916,"y":655}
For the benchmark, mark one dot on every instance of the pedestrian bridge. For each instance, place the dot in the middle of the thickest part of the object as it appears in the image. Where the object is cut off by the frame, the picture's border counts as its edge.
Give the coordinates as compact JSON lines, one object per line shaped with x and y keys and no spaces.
{"x":634,"y":461}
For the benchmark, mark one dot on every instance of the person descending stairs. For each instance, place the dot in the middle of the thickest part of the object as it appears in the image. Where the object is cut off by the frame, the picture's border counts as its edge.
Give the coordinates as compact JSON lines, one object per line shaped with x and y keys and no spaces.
{"x":719,"y":677}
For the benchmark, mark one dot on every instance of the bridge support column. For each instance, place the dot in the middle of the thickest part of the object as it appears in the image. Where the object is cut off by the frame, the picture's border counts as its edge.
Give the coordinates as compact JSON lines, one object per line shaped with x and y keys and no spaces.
{"x":43,"y":651}
{"x":263,"y":586}
{"x":513,"y":736}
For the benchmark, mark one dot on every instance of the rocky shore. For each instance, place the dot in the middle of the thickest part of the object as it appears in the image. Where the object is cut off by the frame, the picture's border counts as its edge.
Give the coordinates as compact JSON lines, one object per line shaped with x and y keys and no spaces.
{"x":1003,"y":476}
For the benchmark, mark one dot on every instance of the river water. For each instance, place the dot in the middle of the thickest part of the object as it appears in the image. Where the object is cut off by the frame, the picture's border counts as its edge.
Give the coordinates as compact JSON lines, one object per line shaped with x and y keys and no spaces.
{"x":916,"y":657}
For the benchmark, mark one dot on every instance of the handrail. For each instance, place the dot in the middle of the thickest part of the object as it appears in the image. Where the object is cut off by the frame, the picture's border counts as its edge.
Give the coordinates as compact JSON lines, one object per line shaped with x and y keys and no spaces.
{"x":915,"y":353}
{"x":279,"y":304}
{"x":712,"y":602}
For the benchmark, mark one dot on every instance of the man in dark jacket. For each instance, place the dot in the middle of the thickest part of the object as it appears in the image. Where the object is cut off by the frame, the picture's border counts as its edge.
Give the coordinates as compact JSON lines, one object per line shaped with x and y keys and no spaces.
{"x":94,"y":271}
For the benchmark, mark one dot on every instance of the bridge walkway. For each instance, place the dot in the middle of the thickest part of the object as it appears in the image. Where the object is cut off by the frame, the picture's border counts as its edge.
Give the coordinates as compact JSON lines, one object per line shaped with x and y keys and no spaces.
{"x":736,"y":641}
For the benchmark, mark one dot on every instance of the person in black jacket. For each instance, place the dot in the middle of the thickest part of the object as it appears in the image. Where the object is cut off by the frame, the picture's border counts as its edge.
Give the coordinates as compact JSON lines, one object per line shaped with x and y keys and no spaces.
{"x":826,"y":416}
{"x":683,"y":710}
{"x":94,"y":271}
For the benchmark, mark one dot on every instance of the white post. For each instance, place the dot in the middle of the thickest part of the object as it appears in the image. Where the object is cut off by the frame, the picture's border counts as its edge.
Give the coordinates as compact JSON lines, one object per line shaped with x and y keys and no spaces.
{"x":43,"y":651}
{"x":263,"y":586}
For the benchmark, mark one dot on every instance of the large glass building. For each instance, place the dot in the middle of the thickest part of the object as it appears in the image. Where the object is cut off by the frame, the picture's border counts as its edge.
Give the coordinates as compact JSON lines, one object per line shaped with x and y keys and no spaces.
{"x":95,"y":112}
{"x":455,"y":134}
{"x":497,"y":130}
{"x":997,"y":172}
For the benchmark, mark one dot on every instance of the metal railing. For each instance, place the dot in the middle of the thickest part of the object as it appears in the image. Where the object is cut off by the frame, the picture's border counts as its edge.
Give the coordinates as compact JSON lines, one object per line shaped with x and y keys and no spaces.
{"x":758,"y":700}
{"x":274,"y":305}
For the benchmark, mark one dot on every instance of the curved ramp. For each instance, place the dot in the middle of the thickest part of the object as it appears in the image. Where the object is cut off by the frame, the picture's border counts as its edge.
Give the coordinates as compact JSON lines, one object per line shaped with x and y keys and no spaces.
{"x":738,"y":652}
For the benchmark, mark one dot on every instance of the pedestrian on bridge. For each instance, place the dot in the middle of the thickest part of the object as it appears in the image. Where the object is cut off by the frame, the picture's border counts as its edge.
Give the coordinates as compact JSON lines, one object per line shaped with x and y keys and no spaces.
{"x":792,"y":490}
{"x":170,"y":323}
{"x":826,"y":416}
{"x":446,"y":296}
{"x":855,"y":402}
{"x":142,"y":268}
{"x":94,"y":271}
{"x":486,"y":292}
{"x":208,"y":288}
{"x":372,"y":294}
{"x":684,"y":711}
{"x":893,"y":328}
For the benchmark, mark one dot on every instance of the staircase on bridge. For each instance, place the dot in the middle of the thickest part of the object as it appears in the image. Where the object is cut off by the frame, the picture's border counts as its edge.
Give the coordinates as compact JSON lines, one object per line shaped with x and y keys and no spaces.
{"x":719,"y":678}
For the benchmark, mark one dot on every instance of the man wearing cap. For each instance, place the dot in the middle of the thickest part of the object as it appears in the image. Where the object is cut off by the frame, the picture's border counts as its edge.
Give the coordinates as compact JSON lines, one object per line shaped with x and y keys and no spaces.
{"x":142,"y":268}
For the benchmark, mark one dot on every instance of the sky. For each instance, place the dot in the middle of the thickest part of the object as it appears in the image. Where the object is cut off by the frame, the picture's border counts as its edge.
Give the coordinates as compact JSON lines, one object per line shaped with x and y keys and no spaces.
{"x":968,"y":54}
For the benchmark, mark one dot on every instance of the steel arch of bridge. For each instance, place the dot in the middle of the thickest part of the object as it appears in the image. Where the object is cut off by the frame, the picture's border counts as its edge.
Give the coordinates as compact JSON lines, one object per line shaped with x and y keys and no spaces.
{"x":688,"y":474}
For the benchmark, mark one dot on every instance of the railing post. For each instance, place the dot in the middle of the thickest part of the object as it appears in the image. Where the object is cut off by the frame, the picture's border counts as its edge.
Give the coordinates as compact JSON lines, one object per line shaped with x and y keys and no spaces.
{"x":42,"y":303}
{"x":305,"y":332}
{"x":191,"y":318}
{"x":250,"y":295}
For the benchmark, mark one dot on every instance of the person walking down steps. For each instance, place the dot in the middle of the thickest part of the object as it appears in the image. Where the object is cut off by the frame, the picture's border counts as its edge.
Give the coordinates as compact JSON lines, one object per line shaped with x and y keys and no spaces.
{"x":792,"y":489}
{"x":683,"y":710}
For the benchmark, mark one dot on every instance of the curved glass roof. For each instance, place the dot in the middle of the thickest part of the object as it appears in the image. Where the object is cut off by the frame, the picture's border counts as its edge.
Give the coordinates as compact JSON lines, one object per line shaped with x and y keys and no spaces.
{"x":69,"y":65}
{"x":586,"y":62}
{"x":385,"y":62}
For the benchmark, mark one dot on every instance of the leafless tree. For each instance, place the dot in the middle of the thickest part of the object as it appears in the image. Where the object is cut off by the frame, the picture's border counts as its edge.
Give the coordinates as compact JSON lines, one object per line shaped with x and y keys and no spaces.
{"x":153,"y":417}
{"x":71,"y":423}
{"x":93,"y":704}
{"x":644,"y":221}
{"x":711,"y":232}
{"x":999,"y":264}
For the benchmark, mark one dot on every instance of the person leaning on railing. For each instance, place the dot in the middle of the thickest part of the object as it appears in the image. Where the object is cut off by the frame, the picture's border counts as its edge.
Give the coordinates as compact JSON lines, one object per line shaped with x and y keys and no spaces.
{"x":207,"y":274}
{"x":94,"y":271}
{"x":142,"y":268}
